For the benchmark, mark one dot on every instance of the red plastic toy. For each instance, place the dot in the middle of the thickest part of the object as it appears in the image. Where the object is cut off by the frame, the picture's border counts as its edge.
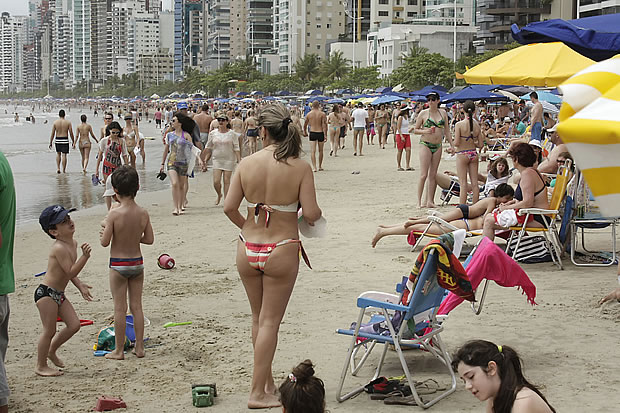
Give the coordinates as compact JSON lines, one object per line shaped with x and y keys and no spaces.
{"x":109,"y":403}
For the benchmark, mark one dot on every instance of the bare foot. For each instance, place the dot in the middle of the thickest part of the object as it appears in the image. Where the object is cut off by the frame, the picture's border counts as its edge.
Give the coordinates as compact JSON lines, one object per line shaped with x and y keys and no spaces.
{"x":58,"y":171}
{"x":219,"y":198}
{"x":115,"y":356}
{"x":314,"y":170}
{"x":175,"y":212}
{"x":139,"y":352}
{"x":264,"y":402}
{"x":271,"y":388}
{"x":321,"y":169}
{"x":54,"y":359}
{"x":431,"y":205}
{"x":47,"y":372}
{"x":377,"y":237}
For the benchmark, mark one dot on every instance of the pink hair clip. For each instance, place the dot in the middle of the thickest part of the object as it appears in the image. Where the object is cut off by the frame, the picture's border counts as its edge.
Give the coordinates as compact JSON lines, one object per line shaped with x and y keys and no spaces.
{"x":292,"y":378}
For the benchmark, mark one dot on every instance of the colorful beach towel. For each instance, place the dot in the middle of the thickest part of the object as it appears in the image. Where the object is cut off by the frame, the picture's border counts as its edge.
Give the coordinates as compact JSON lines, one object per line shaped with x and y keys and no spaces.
{"x":490,"y":262}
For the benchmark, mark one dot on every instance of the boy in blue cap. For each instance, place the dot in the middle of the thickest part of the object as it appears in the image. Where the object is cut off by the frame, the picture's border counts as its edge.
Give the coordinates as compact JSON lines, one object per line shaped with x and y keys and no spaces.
{"x":63,"y":266}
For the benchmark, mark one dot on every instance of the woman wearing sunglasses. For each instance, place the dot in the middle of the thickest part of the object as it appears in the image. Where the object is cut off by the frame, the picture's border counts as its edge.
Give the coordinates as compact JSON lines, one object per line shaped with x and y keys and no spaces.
{"x":112,"y":148}
{"x":432,"y":125}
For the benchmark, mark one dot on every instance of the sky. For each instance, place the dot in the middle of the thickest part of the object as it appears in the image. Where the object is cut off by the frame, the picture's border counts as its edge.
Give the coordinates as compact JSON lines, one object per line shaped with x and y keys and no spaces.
{"x":20,"y":7}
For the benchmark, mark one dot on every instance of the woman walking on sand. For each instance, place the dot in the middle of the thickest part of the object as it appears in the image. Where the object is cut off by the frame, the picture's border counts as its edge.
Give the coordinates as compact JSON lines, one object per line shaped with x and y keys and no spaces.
{"x":467,"y":140}
{"x":223,"y":149}
{"x":273,"y":181}
{"x":432,"y":124}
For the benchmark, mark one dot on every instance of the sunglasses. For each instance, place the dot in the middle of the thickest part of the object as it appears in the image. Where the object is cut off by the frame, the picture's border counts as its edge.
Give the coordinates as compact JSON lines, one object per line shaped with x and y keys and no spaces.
{"x":115,"y":133}
{"x":219,"y":119}
{"x":561,"y":160}
{"x":108,"y":118}
{"x":433,"y":99}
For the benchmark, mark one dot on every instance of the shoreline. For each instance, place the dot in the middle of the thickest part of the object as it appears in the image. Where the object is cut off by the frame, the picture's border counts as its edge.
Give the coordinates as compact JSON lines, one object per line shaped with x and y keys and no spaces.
{"x":204,"y":288}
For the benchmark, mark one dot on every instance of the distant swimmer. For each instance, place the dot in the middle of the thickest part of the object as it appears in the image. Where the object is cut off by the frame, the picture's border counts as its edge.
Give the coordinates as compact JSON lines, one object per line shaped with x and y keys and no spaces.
{"x":16,"y":117}
{"x":32,"y":118}
{"x":84,"y":133}
{"x":61,"y":130}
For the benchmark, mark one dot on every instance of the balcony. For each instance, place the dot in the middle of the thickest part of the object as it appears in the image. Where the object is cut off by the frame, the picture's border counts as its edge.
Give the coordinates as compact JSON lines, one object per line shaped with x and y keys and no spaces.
{"x":517,"y":7}
{"x":500,"y":28}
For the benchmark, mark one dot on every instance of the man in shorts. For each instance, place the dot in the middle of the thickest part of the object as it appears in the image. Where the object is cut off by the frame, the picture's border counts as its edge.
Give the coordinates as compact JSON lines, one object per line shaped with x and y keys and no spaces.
{"x":7,"y":276}
{"x":60,"y":131}
{"x":537,"y":117}
{"x":360,"y":123}
{"x":317,"y":120}
{"x":203,"y":119}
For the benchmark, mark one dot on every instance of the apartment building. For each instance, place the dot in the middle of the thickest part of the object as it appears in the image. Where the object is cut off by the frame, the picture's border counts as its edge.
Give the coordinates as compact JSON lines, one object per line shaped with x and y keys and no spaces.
{"x":80,"y":14}
{"x":11,"y":49}
{"x":588,"y":8}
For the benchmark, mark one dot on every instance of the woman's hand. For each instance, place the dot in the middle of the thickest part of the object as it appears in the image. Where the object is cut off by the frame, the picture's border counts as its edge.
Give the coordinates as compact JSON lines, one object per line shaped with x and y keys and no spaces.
{"x":161,"y":168}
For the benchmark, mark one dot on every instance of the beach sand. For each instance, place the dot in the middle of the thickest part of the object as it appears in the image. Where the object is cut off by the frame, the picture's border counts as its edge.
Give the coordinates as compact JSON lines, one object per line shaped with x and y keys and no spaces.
{"x":567,"y":343}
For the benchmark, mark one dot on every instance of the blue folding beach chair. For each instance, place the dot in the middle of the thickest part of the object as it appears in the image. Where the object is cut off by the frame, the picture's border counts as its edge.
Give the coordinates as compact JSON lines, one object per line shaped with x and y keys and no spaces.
{"x":421,"y":313}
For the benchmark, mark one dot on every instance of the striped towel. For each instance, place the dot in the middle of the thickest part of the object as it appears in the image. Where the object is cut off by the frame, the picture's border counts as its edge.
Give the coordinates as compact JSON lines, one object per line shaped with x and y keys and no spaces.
{"x":590,"y":127}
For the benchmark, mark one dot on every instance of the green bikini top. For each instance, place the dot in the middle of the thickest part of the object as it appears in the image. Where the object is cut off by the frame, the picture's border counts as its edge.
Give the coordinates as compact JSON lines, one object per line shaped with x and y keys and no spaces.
{"x":430,"y":123}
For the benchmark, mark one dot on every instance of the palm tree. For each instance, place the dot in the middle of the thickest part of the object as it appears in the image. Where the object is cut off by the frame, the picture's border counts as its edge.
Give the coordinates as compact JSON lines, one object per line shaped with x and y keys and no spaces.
{"x":335,"y":66}
{"x":307,"y":67}
{"x":415,"y":51}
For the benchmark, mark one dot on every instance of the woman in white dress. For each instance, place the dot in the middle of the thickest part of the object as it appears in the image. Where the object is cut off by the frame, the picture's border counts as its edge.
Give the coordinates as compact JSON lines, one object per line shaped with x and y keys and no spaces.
{"x":223,"y":150}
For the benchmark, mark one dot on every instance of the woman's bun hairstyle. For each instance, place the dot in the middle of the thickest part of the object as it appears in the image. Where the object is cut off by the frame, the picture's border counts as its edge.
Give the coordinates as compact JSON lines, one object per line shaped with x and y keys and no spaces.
{"x":302,"y":392}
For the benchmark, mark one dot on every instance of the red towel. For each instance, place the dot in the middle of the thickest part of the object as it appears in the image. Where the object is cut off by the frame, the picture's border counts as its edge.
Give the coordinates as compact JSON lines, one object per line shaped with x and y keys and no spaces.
{"x":490,"y":262}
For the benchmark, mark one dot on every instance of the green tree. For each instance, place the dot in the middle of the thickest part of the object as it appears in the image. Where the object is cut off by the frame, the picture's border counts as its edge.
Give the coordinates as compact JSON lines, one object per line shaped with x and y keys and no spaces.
{"x":415,"y":51}
{"x":335,"y":66}
{"x":307,"y":67}
{"x":359,"y":79}
{"x":424,"y":69}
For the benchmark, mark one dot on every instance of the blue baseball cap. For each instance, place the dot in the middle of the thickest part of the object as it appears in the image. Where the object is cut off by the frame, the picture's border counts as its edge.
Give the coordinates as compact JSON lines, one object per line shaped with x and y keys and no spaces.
{"x":53,"y":215}
{"x":181,"y":105}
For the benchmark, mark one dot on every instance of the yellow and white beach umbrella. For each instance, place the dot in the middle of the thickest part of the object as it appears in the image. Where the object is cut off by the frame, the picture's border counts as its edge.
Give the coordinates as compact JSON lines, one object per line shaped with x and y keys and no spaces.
{"x":590,"y":127}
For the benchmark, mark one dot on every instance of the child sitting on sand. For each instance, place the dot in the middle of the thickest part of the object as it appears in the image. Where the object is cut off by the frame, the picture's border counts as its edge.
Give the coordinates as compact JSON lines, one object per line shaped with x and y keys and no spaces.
{"x":126,"y":227}
{"x":63,"y":266}
{"x":302,"y":392}
{"x":493,"y":374}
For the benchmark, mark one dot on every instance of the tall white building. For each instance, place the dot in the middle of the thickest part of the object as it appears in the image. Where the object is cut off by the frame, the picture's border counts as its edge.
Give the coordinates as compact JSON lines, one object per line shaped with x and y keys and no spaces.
{"x":61,"y":42}
{"x":143,"y":39}
{"x":81,"y":56}
{"x":11,"y":47}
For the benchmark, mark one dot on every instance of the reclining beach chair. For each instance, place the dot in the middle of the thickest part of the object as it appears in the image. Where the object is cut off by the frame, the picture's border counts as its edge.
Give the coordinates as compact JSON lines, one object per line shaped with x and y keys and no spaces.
{"x":421,"y":312}
{"x":445,"y":226}
{"x":549,"y":230}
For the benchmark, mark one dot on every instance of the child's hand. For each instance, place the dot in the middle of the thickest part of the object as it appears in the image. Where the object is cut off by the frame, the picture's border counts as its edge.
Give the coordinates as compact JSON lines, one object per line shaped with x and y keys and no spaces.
{"x":85,"y":291}
{"x":86,"y":249}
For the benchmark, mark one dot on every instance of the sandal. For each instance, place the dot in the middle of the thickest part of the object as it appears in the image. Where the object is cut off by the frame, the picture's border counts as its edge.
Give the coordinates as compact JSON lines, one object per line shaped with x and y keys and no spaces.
{"x":401,"y":401}
{"x":409,"y":169}
{"x":400,"y":169}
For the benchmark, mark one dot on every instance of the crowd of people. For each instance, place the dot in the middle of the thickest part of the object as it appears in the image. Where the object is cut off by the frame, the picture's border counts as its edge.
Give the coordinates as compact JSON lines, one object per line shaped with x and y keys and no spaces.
{"x":255,"y":152}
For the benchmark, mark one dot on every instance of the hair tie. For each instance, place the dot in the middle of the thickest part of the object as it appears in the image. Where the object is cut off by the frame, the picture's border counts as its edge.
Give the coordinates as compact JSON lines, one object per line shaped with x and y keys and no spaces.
{"x":499,"y":348}
{"x":286,"y":121}
{"x":291,"y":376}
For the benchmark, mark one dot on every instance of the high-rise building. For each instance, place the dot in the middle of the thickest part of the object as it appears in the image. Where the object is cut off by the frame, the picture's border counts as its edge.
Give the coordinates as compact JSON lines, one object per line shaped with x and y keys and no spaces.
{"x":219,"y":33}
{"x":61,"y":42}
{"x":193,"y":34}
{"x":99,"y":10}
{"x":496,"y":16}
{"x":259,"y":26}
{"x":588,"y":8}
{"x":11,"y":49}
{"x":142,"y":40}
{"x":118,"y":35}
{"x":81,"y":24}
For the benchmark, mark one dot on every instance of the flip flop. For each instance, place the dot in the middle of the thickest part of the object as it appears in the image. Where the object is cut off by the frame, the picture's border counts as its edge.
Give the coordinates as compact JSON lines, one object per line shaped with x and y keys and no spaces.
{"x":401,"y":401}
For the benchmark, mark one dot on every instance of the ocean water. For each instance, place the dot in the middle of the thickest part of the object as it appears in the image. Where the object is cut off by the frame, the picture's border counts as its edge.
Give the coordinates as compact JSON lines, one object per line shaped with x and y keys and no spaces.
{"x":37,"y":184}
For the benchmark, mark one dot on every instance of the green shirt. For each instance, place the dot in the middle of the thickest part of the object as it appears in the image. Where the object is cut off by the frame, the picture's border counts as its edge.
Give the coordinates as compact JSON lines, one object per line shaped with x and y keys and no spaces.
{"x":521,"y":128}
{"x":7,"y":224}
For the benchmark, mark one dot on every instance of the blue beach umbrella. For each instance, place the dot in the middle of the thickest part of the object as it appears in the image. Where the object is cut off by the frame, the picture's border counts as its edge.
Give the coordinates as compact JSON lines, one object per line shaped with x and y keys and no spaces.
{"x":387,"y":99}
{"x":383,"y":89}
{"x":313,"y":92}
{"x":335,"y":100}
{"x":470,"y":93}
{"x":545,"y":97}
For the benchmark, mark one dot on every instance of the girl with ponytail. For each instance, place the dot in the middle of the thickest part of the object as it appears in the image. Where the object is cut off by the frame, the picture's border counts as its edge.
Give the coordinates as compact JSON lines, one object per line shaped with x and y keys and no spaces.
{"x":494,"y":374}
{"x":302,"y":391}
{"x":467,"y":140}
{"x":274,"y":182}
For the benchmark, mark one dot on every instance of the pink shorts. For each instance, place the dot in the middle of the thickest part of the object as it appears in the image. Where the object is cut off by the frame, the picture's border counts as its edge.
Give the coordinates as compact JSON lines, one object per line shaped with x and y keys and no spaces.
{"x":403,"y":141}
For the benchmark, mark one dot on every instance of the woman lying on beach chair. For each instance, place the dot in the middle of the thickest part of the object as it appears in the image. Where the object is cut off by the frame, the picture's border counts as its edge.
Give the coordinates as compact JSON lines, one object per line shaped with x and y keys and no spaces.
{"x":463,"y":216}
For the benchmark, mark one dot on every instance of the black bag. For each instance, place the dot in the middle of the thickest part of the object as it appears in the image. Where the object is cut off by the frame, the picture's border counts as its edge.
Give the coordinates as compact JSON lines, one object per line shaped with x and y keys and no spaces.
{"x":531,"y":250}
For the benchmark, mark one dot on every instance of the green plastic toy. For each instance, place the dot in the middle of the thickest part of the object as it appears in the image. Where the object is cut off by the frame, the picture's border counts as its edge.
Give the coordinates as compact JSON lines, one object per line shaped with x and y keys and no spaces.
{"x":203,"y":394}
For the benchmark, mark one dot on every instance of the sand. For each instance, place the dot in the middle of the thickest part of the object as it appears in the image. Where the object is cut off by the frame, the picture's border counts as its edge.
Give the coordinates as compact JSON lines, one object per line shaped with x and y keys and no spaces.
{"x":569,"y":345}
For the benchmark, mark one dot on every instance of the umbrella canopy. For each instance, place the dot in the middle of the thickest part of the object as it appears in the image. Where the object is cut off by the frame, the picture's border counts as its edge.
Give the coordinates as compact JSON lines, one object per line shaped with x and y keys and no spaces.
{"x":154,"y":96}
{"x":427,"y":89}
{"x":257,"y":93}
{"x":547,"y":107}
{"x":544,"y":96}
{"x":518,"y":90}
{"x":596,"y":37}
{"x":336,"y":100}
{"x":383,"y":89}
{"x":472,"y":93}
{"x":387,"y":99}
{"x":590,"y":127}
{"x":283,"y":93}
{"x":344,"y":92}
{"x":313,"y":92}
{"x":239,"y":94}
{"x":398,"y":88}
{"x":509,"y":95}
{"x":319,"y":98}
{"x":247,"y":100}
{"x":269,"y":98}
{"x":540,"y":64}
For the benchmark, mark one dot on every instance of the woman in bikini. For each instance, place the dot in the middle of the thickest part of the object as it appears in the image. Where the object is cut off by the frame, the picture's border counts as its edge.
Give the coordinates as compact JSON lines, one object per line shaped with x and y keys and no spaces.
{"x":84,"y":133}
{"x":334,"y":122}
{"x":467,"y":140}
{"x":273,"y":181}
{"x":112,"y":148}
{"x":381,"y":120}
{"x":130,"y":131}
{"x":530,"y":193}
{"x":431,"y":123}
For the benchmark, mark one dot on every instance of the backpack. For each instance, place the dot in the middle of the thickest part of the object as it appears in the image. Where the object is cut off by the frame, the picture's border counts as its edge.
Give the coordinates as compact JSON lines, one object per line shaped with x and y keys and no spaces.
{"x":531,"y":250}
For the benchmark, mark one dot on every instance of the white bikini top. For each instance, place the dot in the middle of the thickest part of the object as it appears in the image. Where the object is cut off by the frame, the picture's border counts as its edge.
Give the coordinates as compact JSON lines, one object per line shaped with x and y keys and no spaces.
{"x":282,"y":208}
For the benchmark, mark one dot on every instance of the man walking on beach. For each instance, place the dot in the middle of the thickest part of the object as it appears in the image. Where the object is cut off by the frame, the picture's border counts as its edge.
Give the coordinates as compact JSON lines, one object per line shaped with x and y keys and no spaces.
{"x":537,"y":115}
{"x":360,"y":123}
{"x":7,"y":277}
{"x":61,"y":130}
{"x":203,"y":120}
{"x":317,"y":120}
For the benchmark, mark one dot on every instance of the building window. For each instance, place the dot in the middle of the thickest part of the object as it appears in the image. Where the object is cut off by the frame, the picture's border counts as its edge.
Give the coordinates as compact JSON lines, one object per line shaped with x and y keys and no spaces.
{"x":329,"y":26}
{"x":412,"y":2}
{"x":383,"y":1}
{"x":397,"y":15}
{"x":318,"y":47}
{"x":318,"y":26}
{"x":383,"y":13}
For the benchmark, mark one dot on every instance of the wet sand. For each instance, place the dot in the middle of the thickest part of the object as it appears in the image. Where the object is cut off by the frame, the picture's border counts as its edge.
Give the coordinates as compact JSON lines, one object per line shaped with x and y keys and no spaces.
{"x":568,"y":344}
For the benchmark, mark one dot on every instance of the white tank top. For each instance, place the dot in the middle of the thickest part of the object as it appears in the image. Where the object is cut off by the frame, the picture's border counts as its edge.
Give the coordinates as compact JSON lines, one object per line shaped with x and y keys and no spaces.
{"x":404,"y":126}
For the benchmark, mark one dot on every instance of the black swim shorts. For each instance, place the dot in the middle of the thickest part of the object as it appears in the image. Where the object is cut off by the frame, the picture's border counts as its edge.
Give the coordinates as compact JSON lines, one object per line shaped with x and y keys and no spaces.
{"x":343,"y":131}
{"x":317,"y":136}
{"x":62,"y":147}
{"x":464,"y":209}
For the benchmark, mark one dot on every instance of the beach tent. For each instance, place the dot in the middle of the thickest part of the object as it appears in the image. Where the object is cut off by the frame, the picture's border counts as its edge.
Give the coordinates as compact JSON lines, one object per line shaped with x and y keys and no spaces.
{"x":387,"y":99}
{"x":544,"y":96}
{"x":590,"y":127}
{"x":471,"y":93}
{"x":596,"y":37}
{"x":383,"y":89}
{"x":313,"y":92}
{"x":540,"y":64}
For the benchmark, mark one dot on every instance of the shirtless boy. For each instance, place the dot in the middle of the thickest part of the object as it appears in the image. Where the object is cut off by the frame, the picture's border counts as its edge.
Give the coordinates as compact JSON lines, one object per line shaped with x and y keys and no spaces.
{"x":63,"y":266}
{"x":317,"y":120}
{"x":126,"y":227}
{"x":464,"y":216}
{"x":61,"y":130}
{"x":84,"y":133}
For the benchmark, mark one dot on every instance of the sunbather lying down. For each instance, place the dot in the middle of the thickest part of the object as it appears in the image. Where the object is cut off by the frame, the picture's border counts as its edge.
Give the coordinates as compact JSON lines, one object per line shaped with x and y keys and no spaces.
{"x":463,"y":216}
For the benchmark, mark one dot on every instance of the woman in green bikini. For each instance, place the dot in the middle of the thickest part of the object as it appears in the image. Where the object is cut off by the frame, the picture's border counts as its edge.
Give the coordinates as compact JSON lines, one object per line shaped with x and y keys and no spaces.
{"x":431,"y":124}
{"x":381,"y":122}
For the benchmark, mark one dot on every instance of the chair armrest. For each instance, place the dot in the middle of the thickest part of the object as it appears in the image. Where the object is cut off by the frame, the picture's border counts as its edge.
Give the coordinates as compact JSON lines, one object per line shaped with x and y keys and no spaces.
{"x":380,"y":296}
{"x":537,"y":211}
{"x":369,"y":302}
{"x":442,"y":222}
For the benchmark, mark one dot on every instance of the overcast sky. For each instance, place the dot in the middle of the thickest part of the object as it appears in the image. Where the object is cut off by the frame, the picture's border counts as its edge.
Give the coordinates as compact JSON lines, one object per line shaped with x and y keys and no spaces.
{"x":20,"y":7}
